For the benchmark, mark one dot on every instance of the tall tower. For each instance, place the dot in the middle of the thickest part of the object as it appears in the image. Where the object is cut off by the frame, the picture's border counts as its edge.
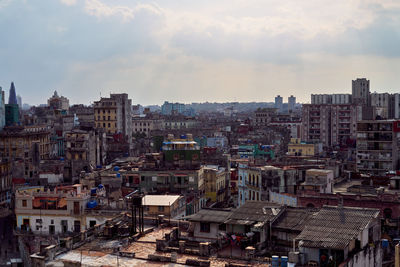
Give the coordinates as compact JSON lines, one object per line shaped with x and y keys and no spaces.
{"x":12,"y":98}
{"x":360,"y":92}
{"x":278,"y":103}
{"x":291,"y":103}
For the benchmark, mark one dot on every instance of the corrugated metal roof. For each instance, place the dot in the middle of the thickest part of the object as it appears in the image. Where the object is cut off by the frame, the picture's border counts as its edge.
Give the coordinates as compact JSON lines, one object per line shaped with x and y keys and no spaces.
{"x":334,"y":227}
{"x":294,"y":219}
{"x":254,"y":211}
{"x":208,"y":215}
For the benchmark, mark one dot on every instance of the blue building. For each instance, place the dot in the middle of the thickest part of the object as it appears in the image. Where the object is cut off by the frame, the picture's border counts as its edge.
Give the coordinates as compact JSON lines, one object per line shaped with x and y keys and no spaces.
{"x":176,"y":109}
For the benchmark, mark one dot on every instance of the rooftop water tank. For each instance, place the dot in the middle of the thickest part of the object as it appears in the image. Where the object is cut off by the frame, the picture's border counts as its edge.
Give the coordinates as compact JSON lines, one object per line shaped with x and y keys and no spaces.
{"x":91,"y":204}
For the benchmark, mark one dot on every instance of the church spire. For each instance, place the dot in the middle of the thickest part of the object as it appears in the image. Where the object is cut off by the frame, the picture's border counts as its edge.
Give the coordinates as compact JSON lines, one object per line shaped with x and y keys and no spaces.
{"x":12,"y":99}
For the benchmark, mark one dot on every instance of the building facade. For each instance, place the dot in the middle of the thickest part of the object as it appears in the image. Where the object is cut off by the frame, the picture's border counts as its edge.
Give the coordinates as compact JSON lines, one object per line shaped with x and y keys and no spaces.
{"x":330,"y":124}
{"x":291,"y":103}
{"x":378,"y":145}
{"x":25,"y":147}
{"x":360,"y":92}
{"x":114,"y":115}
{"x":58,"y":102}
{"x":279,"y":103}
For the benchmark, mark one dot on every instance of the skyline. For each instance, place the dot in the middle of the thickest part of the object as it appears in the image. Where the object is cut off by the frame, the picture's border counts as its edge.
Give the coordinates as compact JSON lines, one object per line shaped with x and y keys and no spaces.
{"x":158,"y":51}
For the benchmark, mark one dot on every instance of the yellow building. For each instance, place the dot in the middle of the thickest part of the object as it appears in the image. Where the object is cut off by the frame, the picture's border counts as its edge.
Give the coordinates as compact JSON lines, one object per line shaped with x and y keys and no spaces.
{"x":105,"y":115}
{"x":214,"y":181}
{"x":167,"y":205}
{"x":298,"y":148}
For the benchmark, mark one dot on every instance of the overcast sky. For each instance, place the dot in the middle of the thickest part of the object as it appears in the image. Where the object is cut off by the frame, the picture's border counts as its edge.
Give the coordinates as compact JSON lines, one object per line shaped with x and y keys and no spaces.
{"x":197,"y":51}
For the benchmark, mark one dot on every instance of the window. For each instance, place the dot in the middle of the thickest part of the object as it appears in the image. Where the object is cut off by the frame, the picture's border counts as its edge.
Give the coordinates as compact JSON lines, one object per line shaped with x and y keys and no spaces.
{"x":205,"y":227}
{"x":52,"y":222}
{"x":161,"y":208}
{"x":222,"y":227}
{"x":24,"y":203}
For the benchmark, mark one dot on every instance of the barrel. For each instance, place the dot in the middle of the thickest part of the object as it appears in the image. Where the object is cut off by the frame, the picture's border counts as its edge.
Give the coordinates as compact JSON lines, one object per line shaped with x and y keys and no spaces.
{"x":284,"y":261}
{"x":275,"y":261}
{"x":385,"y":243}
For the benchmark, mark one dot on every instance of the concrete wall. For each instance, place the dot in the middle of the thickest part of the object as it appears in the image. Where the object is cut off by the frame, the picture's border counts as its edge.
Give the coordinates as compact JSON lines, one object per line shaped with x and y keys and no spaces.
{"x":370,"y":257}
{"x":202,"y":236}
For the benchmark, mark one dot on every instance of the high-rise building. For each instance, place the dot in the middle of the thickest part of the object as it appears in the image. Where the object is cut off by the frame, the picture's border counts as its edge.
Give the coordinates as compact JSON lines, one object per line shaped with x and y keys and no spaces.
{"x":2,"y":110}
{"x":378,"y":146}
{"x":291,"y":103}
{"x":330,"y":99}
{"x":12,"y":114}
{"x":394,"y":106}
{"x":114,"y":115}
{"x":330,"y":124}
{"x":12,"y":98}
{"x":380,"y":103}
{"x":360,"y":92}
{"x":279,"y":103}
{"x":19,"y":101}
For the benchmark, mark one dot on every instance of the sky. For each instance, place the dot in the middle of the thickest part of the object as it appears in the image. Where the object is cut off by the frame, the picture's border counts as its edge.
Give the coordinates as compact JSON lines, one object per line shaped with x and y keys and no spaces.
{"x":197,"y":51}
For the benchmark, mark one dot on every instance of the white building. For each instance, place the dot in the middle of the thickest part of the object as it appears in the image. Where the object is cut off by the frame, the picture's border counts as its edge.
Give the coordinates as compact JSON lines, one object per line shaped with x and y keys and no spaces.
{"x":63,"y":210}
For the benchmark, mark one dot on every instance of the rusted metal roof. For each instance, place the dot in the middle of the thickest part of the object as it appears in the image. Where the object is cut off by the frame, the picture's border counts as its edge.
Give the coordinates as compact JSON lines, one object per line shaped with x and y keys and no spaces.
{"x":334,"y":227}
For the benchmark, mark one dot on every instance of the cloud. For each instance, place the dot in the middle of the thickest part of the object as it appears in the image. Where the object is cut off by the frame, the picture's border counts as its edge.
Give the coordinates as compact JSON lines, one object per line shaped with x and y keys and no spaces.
{"x":69,"y":2}
{"x":101,"y":10}
{"x":197,"y":51}
{"x":4,"y":3}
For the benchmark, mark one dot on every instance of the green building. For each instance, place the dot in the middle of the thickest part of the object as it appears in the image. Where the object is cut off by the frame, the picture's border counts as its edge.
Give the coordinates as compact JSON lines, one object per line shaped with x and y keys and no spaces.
{"x":12,"y":114}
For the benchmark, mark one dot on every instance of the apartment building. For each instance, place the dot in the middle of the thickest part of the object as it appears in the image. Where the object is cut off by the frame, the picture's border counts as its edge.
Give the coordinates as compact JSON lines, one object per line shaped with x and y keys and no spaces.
{"x":5,"y":183}
{"x":380,"y":103}
{"x":378,"y":145}
{"x":59,"y":211}
{"x":143,"y":125}
{"x":262,"y":117}
{"x":330,"y":124}
{"x":330,"y":99}
{"x":214,"y":183}
{"x":114,"y":114}
{"x":25,"y":146}
{"x":360,"y":92}
{"x":255,"y":182}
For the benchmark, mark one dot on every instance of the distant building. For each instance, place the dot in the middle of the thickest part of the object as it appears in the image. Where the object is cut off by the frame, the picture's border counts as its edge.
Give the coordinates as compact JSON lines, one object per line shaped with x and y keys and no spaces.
{"x":378,"y":146}
{"x":380,"y":103}
{"x":291,"y":103}
{"x":144,"y":125}
{"x":318,"y":180}
{"x":394,"y":106}
{"x":19,"y":101}
{"x":214,"y":183}
{"x":12,"y":114}
{"x":330,"y":99}
{"x":25,"y":147}
{"x":360,"y":92}
{"x":263,"y":116}
{"x":279,"y":103}
{"x":114,"y":115}
{"x":12,"y":98}
{"x":330,"y":124}
{"x":176,"y":109}
{"x":58,"y":102}
{"x":298,"y":148}
{"x":2,"y":110}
